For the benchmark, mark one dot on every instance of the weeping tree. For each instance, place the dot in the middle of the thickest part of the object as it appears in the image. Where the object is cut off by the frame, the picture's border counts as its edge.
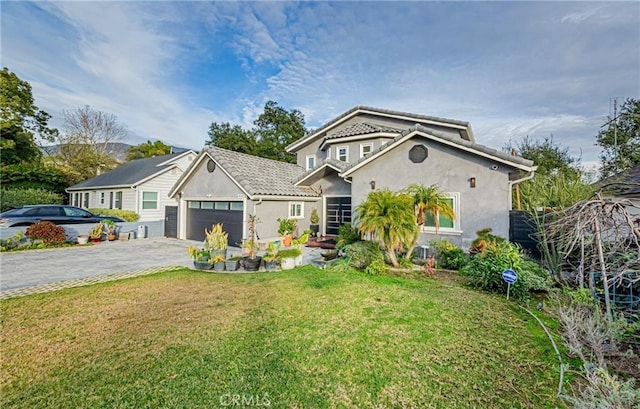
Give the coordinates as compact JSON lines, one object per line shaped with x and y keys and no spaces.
{"x":430,"y":200}
{"x":390,"y":218}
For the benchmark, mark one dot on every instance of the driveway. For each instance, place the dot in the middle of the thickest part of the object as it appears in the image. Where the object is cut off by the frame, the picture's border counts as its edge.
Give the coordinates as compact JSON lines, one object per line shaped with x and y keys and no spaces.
{"x":29,"y":268}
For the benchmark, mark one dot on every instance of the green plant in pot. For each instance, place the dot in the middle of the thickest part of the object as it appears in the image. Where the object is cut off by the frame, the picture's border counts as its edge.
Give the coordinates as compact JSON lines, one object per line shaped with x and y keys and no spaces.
{"x":216,"y":241}
{"x":288,"y":257}
{"x":111,"y":228}
{"x":286,"y":229}
{"x":201,"y":258}
{"x":271,"y":256}
{"x":252,"y":261}
{"x":95,"y":234}
{"x":314,"y":219}
{"x":232,"y":263}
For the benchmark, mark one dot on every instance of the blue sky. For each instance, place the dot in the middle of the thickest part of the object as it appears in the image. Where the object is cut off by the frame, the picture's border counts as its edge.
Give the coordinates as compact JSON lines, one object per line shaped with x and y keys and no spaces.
{"x":168,"y":69}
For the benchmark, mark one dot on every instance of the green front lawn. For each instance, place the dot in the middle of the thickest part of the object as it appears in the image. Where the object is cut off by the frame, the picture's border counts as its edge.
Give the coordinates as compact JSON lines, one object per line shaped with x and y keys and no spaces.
{"x":305,"y":338}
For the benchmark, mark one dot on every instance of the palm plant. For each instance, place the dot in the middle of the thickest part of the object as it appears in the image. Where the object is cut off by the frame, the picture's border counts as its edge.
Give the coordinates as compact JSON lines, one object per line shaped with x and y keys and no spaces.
{"x":389,"y":217}
{"x":430,"y":200}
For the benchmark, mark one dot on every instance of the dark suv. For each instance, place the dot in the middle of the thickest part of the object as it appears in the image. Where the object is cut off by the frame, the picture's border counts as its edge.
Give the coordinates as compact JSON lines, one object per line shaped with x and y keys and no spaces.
{"x":27,"y":215}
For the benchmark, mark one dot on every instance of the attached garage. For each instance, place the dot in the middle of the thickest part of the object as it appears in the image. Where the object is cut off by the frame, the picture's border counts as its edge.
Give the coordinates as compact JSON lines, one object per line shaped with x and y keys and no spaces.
{"x":204,"y":214}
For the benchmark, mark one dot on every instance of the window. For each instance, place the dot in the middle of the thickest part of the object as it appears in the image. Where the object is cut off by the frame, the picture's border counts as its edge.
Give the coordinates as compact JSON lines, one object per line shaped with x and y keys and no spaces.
{"x":86,"y":199}
{"x":311,"y":161}
{"x":237,"y":206}
{"x":366,"y":148}
{"x":222,"y":206}
{"x":446,"y":223}
{"x":76,"y":199}
{"x":118,"y":204}
{"x":101,"y":197}
{"x":110,"y":200}
{"x":206,"y":205}
{"x":149,"y":200}
{"x":296,"y":210}
{"x":194,"y":205}
{"x":343,"y":153}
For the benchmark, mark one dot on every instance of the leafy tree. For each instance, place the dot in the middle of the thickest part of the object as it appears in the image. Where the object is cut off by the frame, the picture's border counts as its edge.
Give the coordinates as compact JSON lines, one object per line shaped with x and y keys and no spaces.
{"x":558,"y":181}
{"x":429,"y":200}
{"x":275,"y":129}
{"x":620,"y":141}
{"x":226,"y":136}
{"x":21,"y":121}
{"x":86,"y":140}
{"x":148,"y":150}
{"x":389,"y":217}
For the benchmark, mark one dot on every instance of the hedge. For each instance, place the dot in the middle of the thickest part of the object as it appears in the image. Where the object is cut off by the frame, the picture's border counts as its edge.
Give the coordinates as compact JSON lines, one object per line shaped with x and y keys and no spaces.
{"x":127,"y":215}
{"x":10,"y":198}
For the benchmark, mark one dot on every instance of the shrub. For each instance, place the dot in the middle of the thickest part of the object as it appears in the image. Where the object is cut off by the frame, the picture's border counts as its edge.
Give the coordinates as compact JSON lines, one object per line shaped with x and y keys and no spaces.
{"x":485,"y":269}
{"x":536,"y":277}
{"x":48,"y":232}
{"x":361,"y":254}
{"x":377,"y":267}
{"x":10,"y":198}
{"x":484,"y":238}
{"x":128,"y":215}
{"x":450,"y":256}
{"x":347,"y":234}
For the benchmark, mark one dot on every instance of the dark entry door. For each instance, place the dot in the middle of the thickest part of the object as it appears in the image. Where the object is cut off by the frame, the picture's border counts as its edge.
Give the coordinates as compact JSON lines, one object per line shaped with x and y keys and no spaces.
{"x":338,"y":213}
{"x":171,"y":221}
{"x":201,"y":215}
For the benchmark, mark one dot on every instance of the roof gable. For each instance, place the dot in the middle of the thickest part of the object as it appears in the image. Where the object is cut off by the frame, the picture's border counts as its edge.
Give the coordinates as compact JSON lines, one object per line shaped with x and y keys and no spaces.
{"x":131,"y":173}
{"x":464,"y":128}
{"x":255,"y":175}
{"x":625,"y":183}
{"x":473,"y":148}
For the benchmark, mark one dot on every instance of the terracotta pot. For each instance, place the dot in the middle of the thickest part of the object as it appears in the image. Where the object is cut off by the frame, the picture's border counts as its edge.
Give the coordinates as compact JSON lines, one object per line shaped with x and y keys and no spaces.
{"x":287,"y":240}
{"x":111,"y":237}
{"x":95,"y":240}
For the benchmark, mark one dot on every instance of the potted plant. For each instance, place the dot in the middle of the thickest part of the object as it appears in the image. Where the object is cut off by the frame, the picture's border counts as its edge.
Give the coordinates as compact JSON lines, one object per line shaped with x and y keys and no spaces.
{"x":271,"y":257}
{"x":201,"y":258}
{"x":218,"y":263}
{"x":286,"y":228}
{"x":216,"y":241}
{"x":252,"y":261}
{"x":83,"y":238}
{"x":111,"y":228}
{"x":297,"y":243}
{"x":232,"y":263}
{"x":95,"y":234}
{"x":314,"y":219}
{"x":287,"y":257}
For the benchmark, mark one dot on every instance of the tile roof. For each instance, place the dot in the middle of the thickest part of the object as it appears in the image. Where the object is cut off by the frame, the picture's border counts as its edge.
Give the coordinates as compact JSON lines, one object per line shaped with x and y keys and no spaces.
{"x":454,"y":139}
{"x":129,"y":174}
{"x":361,"y":128}
{"x":260,"y":176}
{"x":312,"y":135}
{"x":338,"y":164}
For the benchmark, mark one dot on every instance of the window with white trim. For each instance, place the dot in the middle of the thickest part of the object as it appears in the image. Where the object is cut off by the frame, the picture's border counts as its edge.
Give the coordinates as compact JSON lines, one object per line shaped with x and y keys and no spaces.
{"x":296,"y":210}
{"x":446,"y":223}
{"x":343,"y":153}
{"x":101,"y":197}
{"x":311,"y":161}
{"x":86,"y":200}
{"x":366,"y":148}
{"x":118,"y":201}
{"x":149,"y":200}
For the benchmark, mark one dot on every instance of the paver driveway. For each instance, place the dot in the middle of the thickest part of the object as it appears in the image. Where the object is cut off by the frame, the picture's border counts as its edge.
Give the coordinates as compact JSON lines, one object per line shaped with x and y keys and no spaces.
{"x":29,"y":268}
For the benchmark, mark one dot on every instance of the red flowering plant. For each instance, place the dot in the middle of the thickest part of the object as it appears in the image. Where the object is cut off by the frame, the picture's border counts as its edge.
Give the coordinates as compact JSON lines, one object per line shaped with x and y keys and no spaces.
{"x":48,"y":232}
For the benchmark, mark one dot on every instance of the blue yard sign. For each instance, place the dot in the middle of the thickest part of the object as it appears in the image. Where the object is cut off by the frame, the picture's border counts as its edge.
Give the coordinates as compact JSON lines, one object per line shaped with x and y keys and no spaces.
{"x":509,"y":276}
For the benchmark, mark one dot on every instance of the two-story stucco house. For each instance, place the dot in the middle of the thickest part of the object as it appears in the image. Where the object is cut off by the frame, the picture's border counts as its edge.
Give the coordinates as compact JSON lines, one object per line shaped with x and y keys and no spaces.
{"x":340,"y":163}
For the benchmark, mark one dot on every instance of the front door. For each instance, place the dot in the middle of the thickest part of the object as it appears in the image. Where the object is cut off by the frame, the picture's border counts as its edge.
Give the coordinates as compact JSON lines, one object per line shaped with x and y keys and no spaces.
{"x":338,"y":212}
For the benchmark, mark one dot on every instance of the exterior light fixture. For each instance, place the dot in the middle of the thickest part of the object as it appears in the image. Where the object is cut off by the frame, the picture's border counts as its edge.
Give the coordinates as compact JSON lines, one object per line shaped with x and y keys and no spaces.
{"x":373,"y":184}
{"x":472,"y":181}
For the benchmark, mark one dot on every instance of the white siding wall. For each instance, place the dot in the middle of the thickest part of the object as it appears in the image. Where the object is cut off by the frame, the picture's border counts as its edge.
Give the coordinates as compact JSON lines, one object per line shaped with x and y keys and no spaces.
{"x":160,"y":184}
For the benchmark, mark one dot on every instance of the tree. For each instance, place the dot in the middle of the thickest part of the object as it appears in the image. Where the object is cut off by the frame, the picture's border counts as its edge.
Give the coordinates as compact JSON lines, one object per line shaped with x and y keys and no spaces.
{"x":22,"y":123}
{"x":148,"y":150}
{"x":620,"y":140}
{"x":558,"y":181}
{"x":390,"y":217}
{"x":429,"y":200}
{"x":86,"y":140}
{"x":226,"y":136}
{"x":274,"y":129}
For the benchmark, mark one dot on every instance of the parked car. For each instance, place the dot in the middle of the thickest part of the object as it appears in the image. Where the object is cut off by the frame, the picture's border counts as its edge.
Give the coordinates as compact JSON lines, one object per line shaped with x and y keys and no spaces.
{"x":27,"y":215}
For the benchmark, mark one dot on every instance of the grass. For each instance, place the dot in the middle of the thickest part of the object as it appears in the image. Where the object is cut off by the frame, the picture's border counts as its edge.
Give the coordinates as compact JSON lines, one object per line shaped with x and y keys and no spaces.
{"x":305,"y":338}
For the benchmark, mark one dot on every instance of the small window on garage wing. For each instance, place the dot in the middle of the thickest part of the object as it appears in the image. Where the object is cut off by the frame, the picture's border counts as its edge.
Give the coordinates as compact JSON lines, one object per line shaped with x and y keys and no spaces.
{"x":149,"y":200}
{"x":206,"y":205}
{"x":296,"y":210}
{"x":194,"y":204}
{"x":237,"y":206}
{"x":222,"y":206}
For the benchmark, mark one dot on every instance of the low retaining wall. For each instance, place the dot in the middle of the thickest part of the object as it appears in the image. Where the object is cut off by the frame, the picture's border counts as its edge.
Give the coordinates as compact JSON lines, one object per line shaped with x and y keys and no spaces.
{"x":152,"y":229}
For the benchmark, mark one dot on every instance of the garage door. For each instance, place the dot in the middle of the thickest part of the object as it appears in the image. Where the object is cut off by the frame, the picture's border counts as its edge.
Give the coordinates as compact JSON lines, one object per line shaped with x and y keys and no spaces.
{"x":204,"y":214}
